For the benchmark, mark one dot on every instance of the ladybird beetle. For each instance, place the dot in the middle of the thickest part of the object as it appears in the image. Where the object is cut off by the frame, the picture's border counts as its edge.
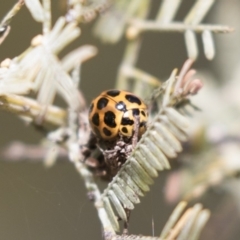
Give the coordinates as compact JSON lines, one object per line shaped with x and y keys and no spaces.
{"x":113,"y":113}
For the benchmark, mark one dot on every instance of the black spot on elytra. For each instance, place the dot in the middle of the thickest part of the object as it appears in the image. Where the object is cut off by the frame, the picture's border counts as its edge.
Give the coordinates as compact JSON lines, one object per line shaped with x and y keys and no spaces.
{"x":95,"y":119}
{"x":124,"y":129}
{"x":142,"y":124}
{"x":121,"y":106}
{"x":107,"y":132}
{"x":135,"y":112}
{"x":143,"y":113}
{"x":102,"y":103}
{"x":133,"y":99}
{"x":113,"y":93}
{"x":109,"y":119}
{"x":91,"y":107}
{"x":127,"y":121}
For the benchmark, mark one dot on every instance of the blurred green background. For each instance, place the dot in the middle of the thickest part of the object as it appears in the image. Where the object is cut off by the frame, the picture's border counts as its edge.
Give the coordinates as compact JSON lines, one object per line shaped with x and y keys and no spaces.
{"x":48,"y":204}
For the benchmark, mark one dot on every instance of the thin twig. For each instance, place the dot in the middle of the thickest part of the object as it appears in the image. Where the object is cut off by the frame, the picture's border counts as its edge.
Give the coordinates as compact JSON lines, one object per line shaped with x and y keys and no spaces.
{"x":173,"y":219}
{"x":77,"y":159}
{"x":149,"y":25}
{"x":47,"y":23}
{"x":18,"y":151}
{"x":4,"y":25}
{"x":27,"y":107}
{"x":15,"y":9}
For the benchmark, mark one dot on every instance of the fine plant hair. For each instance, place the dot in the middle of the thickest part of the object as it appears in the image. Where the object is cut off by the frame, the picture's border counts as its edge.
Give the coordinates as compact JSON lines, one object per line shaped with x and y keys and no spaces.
{"x":31,"y":81}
